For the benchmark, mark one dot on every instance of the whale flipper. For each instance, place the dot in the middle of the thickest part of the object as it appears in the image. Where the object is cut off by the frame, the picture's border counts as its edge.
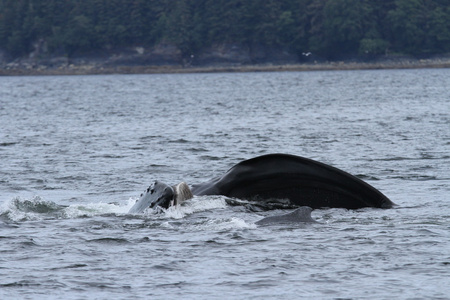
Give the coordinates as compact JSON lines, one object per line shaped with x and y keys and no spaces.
{"x":300,"y":215}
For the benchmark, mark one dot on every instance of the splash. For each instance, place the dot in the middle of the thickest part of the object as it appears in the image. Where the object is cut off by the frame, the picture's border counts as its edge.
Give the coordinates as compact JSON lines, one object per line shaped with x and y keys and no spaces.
{"x":33,"y":209}
{"x":36,"y":208}
{"x":197,"y":204}
{"x":18,"y":209}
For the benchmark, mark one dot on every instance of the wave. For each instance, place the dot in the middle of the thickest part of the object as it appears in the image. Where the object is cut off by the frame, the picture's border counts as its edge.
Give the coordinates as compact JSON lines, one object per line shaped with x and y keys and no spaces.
{"x":18,"y":209}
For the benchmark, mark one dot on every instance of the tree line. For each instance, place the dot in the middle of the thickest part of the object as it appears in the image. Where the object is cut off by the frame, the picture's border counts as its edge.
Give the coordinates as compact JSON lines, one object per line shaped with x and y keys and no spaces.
{"x":329,"y":28}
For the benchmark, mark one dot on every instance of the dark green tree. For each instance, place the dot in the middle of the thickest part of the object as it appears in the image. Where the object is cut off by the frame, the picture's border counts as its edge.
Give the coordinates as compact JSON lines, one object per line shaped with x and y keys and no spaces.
{"x":408,"y":22}
{"x":439,"y":32}
{"x":345,"y":25}
{"x":184,"y":27}
{"x":317,"y":42}
{"x":79,"y":35}
{"x":329,"y":28}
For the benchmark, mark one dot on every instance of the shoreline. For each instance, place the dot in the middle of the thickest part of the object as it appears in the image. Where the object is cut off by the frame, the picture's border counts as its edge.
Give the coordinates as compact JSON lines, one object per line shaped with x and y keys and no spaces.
{"x":95,"y":69}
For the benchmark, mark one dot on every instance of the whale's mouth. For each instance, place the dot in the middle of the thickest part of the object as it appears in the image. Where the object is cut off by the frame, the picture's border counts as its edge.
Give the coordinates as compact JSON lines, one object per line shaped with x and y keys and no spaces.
{"x":165,"y":200}
{"x":162,"y":195}
{"x":157,"y":195}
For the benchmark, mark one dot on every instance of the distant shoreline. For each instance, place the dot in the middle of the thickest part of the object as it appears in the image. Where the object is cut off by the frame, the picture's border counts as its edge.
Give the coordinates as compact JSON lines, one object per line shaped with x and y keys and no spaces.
{"x":94,"y":69}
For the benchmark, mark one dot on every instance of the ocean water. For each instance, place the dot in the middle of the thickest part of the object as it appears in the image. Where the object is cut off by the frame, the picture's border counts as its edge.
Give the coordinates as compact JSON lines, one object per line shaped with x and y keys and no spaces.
{"x":76,"y":152}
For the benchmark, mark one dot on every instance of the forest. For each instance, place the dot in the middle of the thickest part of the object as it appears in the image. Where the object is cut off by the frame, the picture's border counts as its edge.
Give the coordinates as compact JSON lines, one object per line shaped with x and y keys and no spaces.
{"x":330,"y":28}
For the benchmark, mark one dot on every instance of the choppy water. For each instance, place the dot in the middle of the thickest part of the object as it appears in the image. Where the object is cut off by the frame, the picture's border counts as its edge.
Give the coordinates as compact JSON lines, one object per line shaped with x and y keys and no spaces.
{"x":76,"y":151}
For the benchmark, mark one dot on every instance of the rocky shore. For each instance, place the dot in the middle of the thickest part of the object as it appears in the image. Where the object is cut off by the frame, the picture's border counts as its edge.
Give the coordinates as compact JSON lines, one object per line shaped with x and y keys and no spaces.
{"x":224,"y":58}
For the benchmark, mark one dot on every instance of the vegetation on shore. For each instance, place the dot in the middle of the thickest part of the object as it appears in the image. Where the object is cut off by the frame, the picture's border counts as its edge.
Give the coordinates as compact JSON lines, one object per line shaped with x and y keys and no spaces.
{"x":168,"y":69}
{"x":330,"y":29}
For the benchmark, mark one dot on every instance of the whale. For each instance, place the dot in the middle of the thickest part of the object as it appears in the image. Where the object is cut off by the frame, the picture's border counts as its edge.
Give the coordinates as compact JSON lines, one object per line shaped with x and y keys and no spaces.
{"x":300,"y":215}
{"x":303,"y":181}
{"x":299,"y":180}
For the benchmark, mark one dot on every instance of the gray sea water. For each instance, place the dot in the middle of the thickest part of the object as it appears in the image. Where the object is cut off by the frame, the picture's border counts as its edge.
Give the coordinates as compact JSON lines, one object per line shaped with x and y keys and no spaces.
{"x":76,"y":152}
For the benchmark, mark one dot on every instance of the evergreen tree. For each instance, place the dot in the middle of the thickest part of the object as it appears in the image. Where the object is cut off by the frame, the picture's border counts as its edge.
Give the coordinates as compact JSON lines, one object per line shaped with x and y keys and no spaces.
{"x":328,"y":28}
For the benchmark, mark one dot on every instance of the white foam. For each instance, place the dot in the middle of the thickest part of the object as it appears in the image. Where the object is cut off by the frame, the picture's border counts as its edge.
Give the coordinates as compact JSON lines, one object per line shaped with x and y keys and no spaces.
{"x":93,"y":209}
{"x":34,"y":209}
{"x":199,"y":204}
{"x":223,"y":224}
{"x":204,"y":203}
{"x":196,"y":204}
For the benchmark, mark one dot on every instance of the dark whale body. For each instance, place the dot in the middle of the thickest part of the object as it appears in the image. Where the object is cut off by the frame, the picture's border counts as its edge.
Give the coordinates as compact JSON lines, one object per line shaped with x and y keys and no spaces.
{"x":303,"y":181}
